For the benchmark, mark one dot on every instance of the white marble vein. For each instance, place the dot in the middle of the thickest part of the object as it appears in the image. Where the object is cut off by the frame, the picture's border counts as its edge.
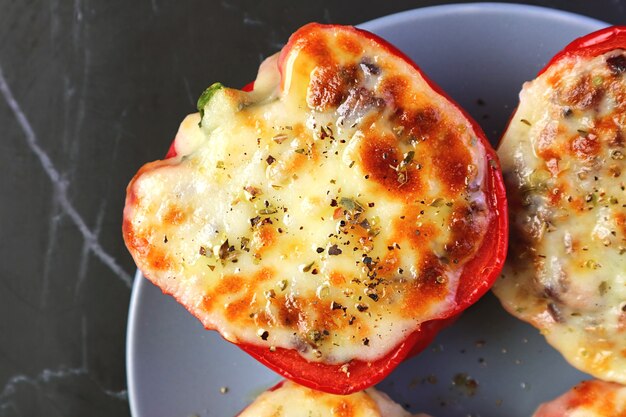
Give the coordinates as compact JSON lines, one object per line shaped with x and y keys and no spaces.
{"x":227,"y":5}
{"x":54,"y":20}
{"x":48,"y":376}
{"x":251,"y":21}
{"x":83,"y":340}
{"x":53,"y":227}
{"x":60,"y":185}
{"x":120,"y":395}
{"x":82,"y":103}
{"x":85,"y":251}
{"x":78,"y":16}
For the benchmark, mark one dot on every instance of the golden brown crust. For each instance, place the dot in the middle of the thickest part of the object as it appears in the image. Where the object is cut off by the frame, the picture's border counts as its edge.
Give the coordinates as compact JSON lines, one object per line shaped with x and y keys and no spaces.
{"x":340,"y":211}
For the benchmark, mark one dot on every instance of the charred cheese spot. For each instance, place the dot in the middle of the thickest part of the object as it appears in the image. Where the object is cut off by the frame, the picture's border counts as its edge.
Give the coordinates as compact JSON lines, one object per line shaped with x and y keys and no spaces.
{"x":330,"y":85}
{"x":581,"y":94}
{"x":566,"y":271}
{"x":395,"y":90}
{"x":349,"y":45}
{"x":382,"y":161}
{"x":264,"y":239}
{"x":174,"y":215}
{"x":291,"y":400}
{"x":325,"y":211}
{"x":411,"y":228}
{"x":158,"y":260}
{"x":343,"y":409}
{"x":452,"y":163}
{"x":337,"y":279}
{"x":586,"y":147}
{"x":430,"y":287}
{"x":464,"y":231}
{"x":419,"y":124}
{"x":317,"y":48}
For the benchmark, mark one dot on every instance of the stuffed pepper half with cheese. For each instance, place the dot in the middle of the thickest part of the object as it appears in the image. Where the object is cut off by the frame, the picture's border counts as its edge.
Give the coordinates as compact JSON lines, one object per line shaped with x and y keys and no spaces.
{"x":328,"y":220}
{"x":563,"y":162}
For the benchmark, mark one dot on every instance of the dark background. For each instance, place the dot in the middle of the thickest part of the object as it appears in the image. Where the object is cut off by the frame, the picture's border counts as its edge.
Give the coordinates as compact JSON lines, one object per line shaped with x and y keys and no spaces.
{"x":90,"y":90}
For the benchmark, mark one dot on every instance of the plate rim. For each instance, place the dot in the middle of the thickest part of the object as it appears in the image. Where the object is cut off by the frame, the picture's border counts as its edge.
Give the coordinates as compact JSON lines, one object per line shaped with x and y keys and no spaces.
{"x":139,"y":282}
{"x":482,"y":7}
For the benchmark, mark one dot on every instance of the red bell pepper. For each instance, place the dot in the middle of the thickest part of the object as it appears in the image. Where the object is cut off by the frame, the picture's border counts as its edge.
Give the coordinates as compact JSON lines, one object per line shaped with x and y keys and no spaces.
{"x":593,"y":44}
{"x":588,"y":345}
{"x":477,"y":277}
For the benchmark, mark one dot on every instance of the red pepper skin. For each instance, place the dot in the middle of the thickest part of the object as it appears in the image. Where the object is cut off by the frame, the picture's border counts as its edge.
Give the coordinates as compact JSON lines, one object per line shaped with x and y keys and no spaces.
{"x":357,"y":376}
{"x":593,"y":44}
{"x":477,"y":277}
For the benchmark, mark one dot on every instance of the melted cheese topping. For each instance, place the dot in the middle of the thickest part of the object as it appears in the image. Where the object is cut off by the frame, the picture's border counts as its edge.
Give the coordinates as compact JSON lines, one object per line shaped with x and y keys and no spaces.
{"x":291,"y":400}
{"x":588,"y":399}
{"x":330,"y":211}
{"x":563,"y":162}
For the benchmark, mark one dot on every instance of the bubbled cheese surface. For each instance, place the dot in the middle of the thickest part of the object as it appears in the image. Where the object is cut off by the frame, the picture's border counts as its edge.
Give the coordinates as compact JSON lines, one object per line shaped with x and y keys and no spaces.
{"x":331,"y":210}
{"x":292,"y":400}
{"x":563,"y":163}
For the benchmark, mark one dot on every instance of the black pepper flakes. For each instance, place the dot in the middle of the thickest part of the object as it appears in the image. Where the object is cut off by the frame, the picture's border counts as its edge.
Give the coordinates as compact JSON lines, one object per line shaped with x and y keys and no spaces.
{"x":270,"y":160}
{"x":373,"y":296}
{"x":334,"y":250}
{"x":307,"y":268}
{"x":336,"y":306}
{"x":251,"y":192}
{"x":224,"y":250}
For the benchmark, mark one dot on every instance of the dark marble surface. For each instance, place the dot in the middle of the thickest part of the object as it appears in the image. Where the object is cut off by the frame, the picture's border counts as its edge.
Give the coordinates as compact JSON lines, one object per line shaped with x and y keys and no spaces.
{"x":90,"y":91}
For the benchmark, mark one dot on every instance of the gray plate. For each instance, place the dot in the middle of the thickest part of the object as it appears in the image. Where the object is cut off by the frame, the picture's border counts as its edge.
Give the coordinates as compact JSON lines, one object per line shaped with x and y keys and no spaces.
{"x":480,"y":54}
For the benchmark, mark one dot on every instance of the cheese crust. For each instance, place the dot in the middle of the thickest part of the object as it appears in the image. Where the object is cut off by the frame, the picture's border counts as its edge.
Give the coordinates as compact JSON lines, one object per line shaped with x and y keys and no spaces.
{"x":291,"y":400}
{"x":587,"y":399}
{"x":330,"y":210}
{"x":563,"y":162}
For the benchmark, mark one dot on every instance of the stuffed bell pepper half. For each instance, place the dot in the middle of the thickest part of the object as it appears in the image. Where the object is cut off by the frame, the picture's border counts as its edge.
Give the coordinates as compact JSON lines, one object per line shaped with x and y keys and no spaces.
{"x":563,"y":161}
{"x":330,"y":219}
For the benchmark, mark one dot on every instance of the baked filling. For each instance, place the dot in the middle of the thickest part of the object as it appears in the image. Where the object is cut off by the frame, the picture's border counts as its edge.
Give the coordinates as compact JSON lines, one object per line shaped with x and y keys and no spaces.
{"x":563,"y":162}
{"x":329,"y":210}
